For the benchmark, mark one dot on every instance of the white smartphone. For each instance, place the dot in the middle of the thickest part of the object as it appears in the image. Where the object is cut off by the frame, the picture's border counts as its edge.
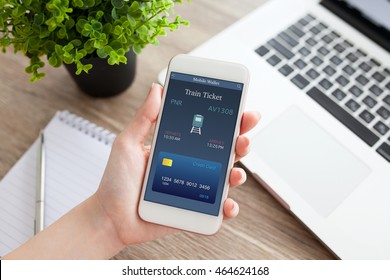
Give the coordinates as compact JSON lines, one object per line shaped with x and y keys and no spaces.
{"x":187,"y":176}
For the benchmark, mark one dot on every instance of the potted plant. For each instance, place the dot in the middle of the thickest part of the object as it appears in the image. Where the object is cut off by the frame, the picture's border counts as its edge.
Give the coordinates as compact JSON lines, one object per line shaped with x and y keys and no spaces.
{"x":85,"y":35}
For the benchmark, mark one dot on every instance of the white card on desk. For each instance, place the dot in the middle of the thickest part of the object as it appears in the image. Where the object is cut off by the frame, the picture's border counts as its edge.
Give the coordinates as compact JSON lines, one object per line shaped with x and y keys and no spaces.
{"x":76,"y":155}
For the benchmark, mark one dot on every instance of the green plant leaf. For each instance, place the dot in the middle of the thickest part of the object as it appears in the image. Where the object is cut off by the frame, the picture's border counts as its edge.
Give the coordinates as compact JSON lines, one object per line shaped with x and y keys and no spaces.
{"x":116,"y":45}
{"x":134,"y":8}
{"x":142,"y":30}
{"x":101,"y":53}
{"x":137,"y":49}
{"x":54,"y":61}
{"x":76,"y":43}
{"x":114,"y":14}
{"x":97,"y":25}
{"x":78,"y":3}
{"x":19,"y":11}
{"x":61,"y":34}
{"x":39,"y":19}
{"x":118,"y":4}
{"x":49,"y":47}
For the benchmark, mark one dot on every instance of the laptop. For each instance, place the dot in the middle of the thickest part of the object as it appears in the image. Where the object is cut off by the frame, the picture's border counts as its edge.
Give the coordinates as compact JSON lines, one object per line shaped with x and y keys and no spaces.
{"x":320,"y":76}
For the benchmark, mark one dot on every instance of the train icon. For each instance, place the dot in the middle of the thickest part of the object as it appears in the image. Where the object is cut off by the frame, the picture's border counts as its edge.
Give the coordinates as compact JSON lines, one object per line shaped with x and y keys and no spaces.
{"x":197,"y":123}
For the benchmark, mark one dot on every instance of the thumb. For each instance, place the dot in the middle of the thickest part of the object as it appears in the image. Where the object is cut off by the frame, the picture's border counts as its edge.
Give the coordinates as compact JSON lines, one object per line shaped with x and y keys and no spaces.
{"x":146,"y":116}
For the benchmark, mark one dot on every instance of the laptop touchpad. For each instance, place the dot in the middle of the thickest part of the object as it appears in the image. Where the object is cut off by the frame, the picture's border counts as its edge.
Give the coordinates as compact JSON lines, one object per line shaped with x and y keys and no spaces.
{"x":316,"y":165}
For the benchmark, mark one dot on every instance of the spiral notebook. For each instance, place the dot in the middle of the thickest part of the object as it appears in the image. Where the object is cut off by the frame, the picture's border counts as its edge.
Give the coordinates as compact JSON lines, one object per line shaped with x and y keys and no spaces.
{"x":76,"y":155}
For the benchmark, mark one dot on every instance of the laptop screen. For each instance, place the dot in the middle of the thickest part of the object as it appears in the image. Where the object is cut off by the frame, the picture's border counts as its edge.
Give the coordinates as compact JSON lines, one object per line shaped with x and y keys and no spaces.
{"x":372,"y":17}
{"x":376,"y":11}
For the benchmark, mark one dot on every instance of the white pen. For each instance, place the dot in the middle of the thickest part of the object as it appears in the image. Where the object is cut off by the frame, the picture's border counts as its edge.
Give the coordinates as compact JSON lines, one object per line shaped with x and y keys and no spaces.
{"x":40,"y":186}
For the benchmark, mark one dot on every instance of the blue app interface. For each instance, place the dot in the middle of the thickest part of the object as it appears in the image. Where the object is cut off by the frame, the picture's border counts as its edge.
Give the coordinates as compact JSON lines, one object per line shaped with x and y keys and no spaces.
{"x":193,"y":144}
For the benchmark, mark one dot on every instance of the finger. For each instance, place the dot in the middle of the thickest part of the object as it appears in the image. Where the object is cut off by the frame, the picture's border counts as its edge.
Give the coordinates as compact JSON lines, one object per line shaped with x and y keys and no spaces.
{"x":242,"y":147}
{"x":237,"y":177}
{"x":147,"y":147}
{"x":146,"y":116}
{"x":147,"y":150}
{"x":249,"y":121}
{"x":230,"y":209}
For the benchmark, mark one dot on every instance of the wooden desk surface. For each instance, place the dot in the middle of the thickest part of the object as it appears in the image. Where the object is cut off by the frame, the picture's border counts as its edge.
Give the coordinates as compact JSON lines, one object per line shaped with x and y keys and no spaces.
{"x":263,"y":229}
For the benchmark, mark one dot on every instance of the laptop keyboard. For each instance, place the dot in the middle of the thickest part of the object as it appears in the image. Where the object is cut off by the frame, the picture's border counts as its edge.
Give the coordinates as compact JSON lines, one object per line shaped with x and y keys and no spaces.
{"x":343,"y":79}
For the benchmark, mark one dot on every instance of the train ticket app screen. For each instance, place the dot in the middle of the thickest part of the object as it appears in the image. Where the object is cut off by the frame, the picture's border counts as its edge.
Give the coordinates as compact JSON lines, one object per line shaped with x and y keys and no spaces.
{"x":193,"y":143}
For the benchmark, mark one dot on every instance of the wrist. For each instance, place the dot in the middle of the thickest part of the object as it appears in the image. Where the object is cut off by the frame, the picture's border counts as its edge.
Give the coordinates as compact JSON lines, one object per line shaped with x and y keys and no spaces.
{"x":106,"y":232}
{"x":85,"y":232}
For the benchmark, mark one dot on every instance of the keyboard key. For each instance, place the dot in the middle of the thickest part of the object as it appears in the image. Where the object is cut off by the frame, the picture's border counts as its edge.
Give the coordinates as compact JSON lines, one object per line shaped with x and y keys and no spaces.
{"x":343,"y":116}
{"x":315,"y":30}
{"x":329,"y":70}
{"x":339,"y":94}
{"x":297,"y":31}
{"x":361,"y":53}
{"x":311,"y":42}
{"x":365,"y":67}
{"x":288,"y":39}
{"x":312,"y":73}
{"x":388,"y":85}
{"x":353,"y":105}
{"x":281,"y":49}
{"x":300,"y":81}
{"x":387,"y":99}
{"x":362,"y":80}
{"x":273,"y":60}
{"x":348,"y":43}
{"x":304,"y":51}
{"x":334,"y":34}
{"x":339,"y":48}
{"x":373,"y":61}
{"x":326,"y":84}
{"x":348,"y":69}
{"x":336,"y":60}
{"x":351,"y":57}
{"x":327,"y":39}
{"x":323,"y":51}
{"x":376,"y":90}
{"x":381,"y":128}
{"x":342,"y":80}
{"x":355,"y":91}
{"x":316,"y":61}
{"x":321,"y":26}
{"x":369,"y":101}
{"x":262,"y":50}
{"x":285,"y":70}
{"x":300,"y":64}
{"x":309,"y":18}
{"x":383,"y":112}
{"x":378,"y":76}
{"x":387,"y":72}
{"x":384,"y":151}
{"x":366,"y":116}
{"x":303,"y":22}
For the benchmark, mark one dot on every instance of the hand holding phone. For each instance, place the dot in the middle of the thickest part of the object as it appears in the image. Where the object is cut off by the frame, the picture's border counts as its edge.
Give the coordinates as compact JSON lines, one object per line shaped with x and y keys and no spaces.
{"x":187,"y":175}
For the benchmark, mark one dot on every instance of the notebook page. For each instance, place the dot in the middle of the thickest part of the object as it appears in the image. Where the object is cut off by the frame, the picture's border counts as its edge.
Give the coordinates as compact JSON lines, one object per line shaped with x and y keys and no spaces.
{"x":76,"y":155}
{"x":17,"y":202}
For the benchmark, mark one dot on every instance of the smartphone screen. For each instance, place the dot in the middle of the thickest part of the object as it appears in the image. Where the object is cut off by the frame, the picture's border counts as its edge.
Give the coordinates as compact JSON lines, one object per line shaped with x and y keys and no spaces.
{"x":194,"y":142}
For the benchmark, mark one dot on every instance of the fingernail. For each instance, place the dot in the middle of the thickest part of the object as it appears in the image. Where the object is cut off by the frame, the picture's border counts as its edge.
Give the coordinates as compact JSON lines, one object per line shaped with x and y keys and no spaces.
{"x":236,"y":207}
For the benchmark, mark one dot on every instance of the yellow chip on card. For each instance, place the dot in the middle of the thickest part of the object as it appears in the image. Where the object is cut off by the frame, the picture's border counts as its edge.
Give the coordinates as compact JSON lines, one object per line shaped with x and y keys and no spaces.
{"x":167,"y":162}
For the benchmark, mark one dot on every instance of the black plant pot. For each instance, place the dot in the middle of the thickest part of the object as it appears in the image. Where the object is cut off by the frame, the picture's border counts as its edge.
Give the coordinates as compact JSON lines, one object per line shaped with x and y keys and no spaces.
{"x":105,"y":80}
